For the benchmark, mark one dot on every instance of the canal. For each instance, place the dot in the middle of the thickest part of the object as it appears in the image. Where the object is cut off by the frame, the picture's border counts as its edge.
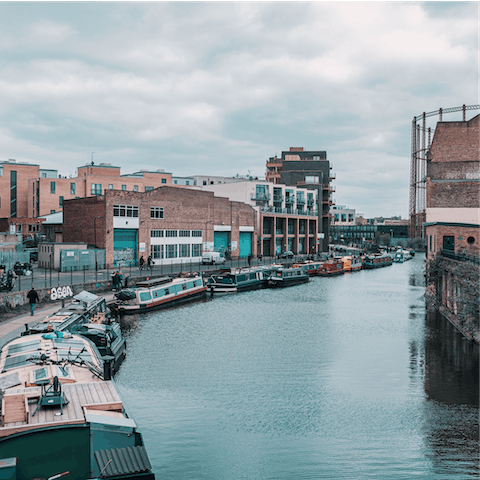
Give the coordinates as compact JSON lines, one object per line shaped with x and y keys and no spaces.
{"x":345,"y":377}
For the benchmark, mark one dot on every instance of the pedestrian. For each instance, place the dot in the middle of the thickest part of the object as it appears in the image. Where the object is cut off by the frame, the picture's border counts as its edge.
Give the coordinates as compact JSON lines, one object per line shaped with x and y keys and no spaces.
{"x":33,"y":297}
{"x":114,"y":280}
{"x":249,"y":258}
{"x":119,"y":280}
{"x":125,"y":281}
{"x":141,"y":262}
{"x":149,"y":262}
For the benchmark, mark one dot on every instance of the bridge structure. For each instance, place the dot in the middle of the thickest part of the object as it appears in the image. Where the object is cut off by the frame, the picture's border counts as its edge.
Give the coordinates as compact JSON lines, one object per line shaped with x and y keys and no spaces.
{"x":420,"y":144}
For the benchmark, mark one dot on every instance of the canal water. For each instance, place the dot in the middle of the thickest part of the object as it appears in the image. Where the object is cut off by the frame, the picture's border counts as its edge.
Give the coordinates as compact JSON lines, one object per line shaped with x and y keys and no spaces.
{"x":345,"y":377}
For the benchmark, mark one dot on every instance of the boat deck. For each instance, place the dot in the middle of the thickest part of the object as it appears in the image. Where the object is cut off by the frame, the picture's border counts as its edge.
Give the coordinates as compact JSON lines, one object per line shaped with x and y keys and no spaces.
{"x":82,"y":397}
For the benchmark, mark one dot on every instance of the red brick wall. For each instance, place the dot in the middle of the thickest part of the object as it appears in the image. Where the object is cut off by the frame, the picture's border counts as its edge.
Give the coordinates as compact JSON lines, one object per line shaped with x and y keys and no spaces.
{"x":452,"y":194}
{"x":456,"y":141}
{"x":461,"y":235}
{"x":79,"y":220}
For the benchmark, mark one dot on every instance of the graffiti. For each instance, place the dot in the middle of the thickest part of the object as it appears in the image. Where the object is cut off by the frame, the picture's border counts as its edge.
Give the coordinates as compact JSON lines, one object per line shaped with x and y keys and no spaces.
{"x":60,"y":292}
{"x":124,"y":257}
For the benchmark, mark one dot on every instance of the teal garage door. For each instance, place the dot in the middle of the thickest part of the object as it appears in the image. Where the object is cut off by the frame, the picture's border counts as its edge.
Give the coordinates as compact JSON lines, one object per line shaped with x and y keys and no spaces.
{"x":124,"y":247}
{"x":245,"y":241}
{"x":221,"y":241}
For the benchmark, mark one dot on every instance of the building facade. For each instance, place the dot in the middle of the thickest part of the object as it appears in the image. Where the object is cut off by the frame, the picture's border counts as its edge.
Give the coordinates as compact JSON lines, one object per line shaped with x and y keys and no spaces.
{"x":286,"y":217}
{"x":453,"y":223}
{"x":311,"y":170}
{"x":170,"y":224}
{"x":46,"y":195}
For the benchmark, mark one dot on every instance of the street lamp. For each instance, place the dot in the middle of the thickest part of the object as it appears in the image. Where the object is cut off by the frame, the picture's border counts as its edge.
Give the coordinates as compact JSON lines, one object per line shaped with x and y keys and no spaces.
{"x":95,"y":238}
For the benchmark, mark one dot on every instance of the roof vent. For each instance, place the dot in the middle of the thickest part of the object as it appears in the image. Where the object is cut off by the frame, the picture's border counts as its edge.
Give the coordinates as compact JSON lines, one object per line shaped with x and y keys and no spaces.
{"x":107,"y":164}
{"x":161,"y":170}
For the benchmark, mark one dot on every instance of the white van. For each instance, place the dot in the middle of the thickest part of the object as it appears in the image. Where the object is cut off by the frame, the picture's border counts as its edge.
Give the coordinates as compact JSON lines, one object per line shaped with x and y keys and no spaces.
{"x":212,"y":258}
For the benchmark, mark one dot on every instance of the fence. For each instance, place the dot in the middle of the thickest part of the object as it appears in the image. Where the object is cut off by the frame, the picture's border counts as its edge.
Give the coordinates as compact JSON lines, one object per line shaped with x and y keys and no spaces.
{"x":48,"y":278}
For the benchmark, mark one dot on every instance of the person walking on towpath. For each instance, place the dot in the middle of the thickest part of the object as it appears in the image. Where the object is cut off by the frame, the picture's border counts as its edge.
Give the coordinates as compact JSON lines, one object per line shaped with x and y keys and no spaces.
{"x":149,"y":262}
{"x":33,"y":297}
{"x":141,"y":262}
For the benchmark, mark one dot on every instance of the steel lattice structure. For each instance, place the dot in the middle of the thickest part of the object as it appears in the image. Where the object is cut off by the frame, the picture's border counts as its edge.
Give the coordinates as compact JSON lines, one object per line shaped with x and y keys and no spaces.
{"x":421,"y":139}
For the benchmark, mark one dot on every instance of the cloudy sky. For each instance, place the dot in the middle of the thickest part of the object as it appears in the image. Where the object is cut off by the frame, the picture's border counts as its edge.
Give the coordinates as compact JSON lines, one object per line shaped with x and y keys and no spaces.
{"x":218,"y":88}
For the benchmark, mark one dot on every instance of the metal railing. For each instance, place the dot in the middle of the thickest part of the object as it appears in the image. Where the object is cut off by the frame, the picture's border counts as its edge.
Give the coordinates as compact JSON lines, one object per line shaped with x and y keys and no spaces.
{"x":461,"y":257}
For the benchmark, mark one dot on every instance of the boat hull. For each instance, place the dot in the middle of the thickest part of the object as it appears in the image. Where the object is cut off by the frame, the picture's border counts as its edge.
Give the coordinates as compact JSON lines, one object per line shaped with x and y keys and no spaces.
{"x":179,"y":299}
{"x":370,"y":266}
{"x":287,"y":282}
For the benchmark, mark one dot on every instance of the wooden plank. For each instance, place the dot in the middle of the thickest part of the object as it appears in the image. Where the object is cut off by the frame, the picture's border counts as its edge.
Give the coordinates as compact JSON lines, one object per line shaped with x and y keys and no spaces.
{"x":10,"y":430}
{"x":86,"y":394}
{"x":108,"y":393}
{"x":101,"y":395}
{"x":112,"y":406}
{"x":72,"y":393}
{"x":113,"y":391}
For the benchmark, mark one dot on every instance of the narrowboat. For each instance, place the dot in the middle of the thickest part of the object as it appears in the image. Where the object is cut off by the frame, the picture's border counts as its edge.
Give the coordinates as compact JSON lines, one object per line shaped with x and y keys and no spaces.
{"x":239,"y":280}
{"x":377,"y":260}
{"x":62,"y":414}
{"x":311,"y":267}
{"x":402,"y":256}
{"x":352,"y":263}
{"x":286,"y":277}
{"x":158,"y":293}
{"x":87,"y":315}
{"x":332,"y":267}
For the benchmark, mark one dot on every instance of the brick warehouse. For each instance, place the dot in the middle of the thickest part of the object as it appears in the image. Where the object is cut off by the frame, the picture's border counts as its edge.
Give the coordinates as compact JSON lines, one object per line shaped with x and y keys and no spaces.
{"x":172,"y":224}
{"x":452,"y":225}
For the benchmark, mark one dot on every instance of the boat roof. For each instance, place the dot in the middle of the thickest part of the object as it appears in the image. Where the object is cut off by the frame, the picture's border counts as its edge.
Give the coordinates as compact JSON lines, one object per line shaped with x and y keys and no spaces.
{"x":75,"y":361}
{"x":163,"y":281}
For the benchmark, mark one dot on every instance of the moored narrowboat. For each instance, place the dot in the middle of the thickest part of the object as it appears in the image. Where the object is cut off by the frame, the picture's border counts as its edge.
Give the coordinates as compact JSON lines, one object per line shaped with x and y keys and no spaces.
{"x":402,"y":256}
{"x":377,"y":260}
{"x":352,"y":263}
{"x":239,"y":280}
{"x":63,"y":415}
{"x":87,"y":315}
{"x":311,"y":267}
{"x":331,"y":268}
{"x":286,"y":277}
{"x":158,"y":293}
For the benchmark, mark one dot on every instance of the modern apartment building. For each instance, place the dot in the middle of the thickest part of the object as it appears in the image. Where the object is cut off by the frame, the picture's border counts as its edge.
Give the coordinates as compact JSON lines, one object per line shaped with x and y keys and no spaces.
{"x":286,"y":217}
{"x":311,"y":170}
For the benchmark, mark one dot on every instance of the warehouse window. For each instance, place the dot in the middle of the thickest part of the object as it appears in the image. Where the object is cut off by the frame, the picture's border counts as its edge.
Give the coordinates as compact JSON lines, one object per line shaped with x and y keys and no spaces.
{"x":196,"y":233}
{"x":52,"y":187}
{"x":96,"y":188}
{"x":156,"y":251}
{"x":156,"y":233}
{"x":164,"y":180}
{"x":184,"y":250}
{"x":72,"y":189}
{"x":171,"y":251}
{"x":156,"y":212}
{"x":125,"y":211}
{"x":171,"y":233}
{"x":196,"y":250}
{"x":184,"y":233}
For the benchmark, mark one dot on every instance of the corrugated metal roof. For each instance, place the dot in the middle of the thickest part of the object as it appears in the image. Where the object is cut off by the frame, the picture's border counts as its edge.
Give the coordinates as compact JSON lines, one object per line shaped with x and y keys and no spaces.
{"x":124,"y":461}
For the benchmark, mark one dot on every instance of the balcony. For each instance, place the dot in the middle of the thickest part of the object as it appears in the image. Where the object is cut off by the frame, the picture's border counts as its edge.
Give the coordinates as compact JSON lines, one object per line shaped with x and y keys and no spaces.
{"x":290,"y":199}
{"x":277,"y":198}
{"x":333,"y":176}
{"x":300,"y":201}
{"x":460,"y":257}
{"x":289,"y":211}
{"x":260,"y":197}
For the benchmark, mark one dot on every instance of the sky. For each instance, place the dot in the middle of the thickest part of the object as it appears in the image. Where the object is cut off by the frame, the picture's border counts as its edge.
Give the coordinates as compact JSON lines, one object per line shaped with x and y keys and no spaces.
{"x":200,"y":88}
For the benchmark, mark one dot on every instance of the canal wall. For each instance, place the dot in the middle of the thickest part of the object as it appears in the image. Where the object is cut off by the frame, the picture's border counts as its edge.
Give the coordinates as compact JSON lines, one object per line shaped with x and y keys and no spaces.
{"x":468,"y":328}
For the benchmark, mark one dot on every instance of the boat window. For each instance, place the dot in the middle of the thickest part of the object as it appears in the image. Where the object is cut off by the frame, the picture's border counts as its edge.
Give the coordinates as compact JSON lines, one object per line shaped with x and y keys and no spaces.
{"x":167,"y":291}
{"x":62,"y":372}
{"x":252,"y":276}
{"x":145,"y":296}
{"x":40,"y":374}
{"x":190,"y":284}
{"x":241,"y":278}
{"x":184,"y":286}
